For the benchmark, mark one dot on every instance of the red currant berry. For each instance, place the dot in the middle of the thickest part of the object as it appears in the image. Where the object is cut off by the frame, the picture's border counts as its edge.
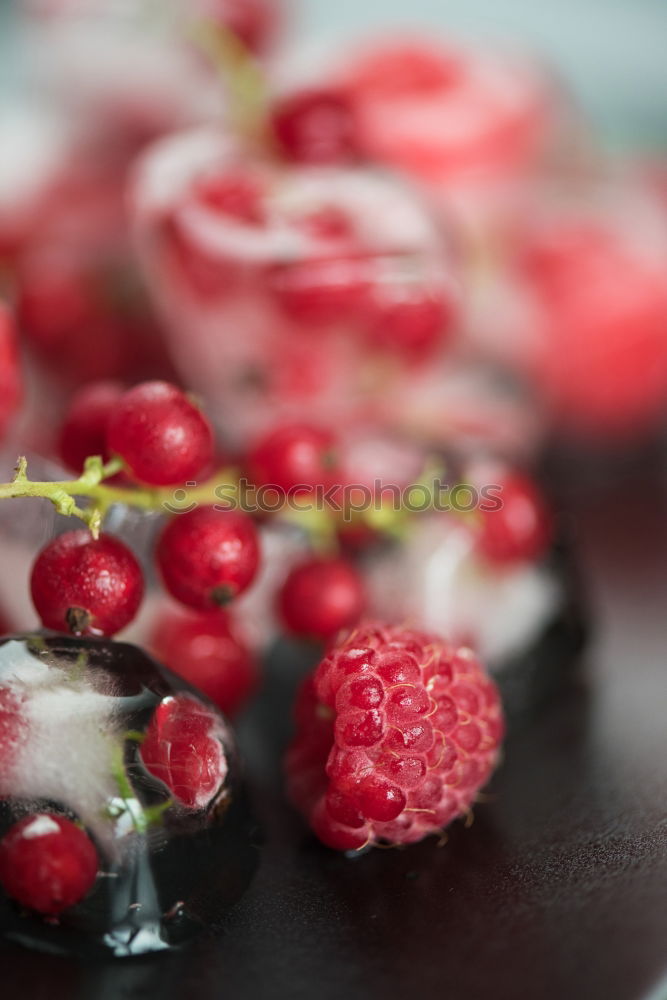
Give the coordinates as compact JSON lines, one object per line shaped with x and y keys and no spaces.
{"x":208,"y":556}
{"x":315,"y":126}
{"x":234,"y":195}
{"x":203,"y":650}
{"x":321,"y":291}
{"x":520,"y":530}
{"x":409,"y":318}
{"x":322,"y":596}
{"x":163,"y":438}
{"x":47,"y":863}
{"x":84,"y":430}
{"x":86,"y":586}
{"x":182,"y":748}
{"x":295,"y":458}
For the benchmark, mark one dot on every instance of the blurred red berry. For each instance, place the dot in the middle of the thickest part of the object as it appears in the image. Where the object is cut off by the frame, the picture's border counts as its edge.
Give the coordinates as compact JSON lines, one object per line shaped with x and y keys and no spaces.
{"x":519,"y":531}
{"x":84,"y":429}
{"x":294,"y":458}
{"x":315,"y":126}
{"x":204,"y":651}
{"x":10,"y":376}
{"x":322,"y":596}
{"x":163,"y":438}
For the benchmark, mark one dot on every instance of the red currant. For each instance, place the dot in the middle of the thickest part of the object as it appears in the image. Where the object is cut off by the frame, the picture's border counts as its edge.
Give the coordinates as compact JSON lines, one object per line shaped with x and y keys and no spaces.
{"x":163,"y":438}
{"x":235,"y":195}
{"x":409,"y":317}
{"x":182,"y":748}
{"x":321,"y":291}
{"x":294,"y":458}
{"x":86,"y":586}
{"x":47,"y":863}
{"x":84,"y":430}
{"x":203,"y":650}
{"x":208,"y":556}
{"x":315,"y":126}
{"x":322,"y":596}
{"x":521,"y":529}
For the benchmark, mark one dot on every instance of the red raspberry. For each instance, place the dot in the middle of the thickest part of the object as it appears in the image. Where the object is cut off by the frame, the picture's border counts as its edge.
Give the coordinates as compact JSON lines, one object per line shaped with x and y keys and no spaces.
{"x":396,"y":732}
{"x":520,"y":530}
{"x":163,"y":438}
{"x":203,"y":650}
{"x":322,"y":596}
{"x":86,"y":586}
{"x":294,"y":458}
{"x":47,"y":863}
{"x":207,"y":556}
{"x":315,"y":126}
{"x":183,"y":748}
{"x":84,"y":430}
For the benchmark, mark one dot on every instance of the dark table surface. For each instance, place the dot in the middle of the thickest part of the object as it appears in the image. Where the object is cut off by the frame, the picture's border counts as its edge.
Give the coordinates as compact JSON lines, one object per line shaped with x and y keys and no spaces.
{"x":557,"y":890}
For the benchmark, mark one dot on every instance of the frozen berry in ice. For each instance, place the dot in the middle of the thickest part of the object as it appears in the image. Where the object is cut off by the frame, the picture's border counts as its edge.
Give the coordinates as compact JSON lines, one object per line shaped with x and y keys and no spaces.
{"x":47,"y":863}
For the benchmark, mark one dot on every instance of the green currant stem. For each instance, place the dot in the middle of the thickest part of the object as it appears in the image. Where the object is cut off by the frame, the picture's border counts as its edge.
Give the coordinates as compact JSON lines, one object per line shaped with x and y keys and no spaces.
{"x":102,"y":496}
{"x":248,"y":92}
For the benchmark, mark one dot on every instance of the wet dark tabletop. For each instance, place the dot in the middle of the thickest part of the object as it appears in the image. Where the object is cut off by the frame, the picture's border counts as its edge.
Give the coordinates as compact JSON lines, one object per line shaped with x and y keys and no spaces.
{"x":557,"y":890}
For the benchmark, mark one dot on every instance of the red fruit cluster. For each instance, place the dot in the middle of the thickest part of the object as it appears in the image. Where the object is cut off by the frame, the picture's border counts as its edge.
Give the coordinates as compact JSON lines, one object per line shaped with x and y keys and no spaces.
{"x":396,"y":732}
{"x":183,"y":749}
{"x":47,"y":863}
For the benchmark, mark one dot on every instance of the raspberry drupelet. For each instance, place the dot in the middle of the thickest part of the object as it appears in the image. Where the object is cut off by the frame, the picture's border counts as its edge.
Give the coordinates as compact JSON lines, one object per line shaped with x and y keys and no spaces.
{"x":396,"y":732}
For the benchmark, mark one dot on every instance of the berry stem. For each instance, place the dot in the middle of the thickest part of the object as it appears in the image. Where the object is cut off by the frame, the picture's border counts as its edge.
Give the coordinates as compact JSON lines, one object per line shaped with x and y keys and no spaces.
{"x":91,"y":486}
{"x":240,"y":71}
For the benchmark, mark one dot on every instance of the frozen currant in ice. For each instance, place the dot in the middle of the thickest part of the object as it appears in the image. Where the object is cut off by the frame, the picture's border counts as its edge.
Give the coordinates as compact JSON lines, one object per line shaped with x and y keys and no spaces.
{"x":337,"y":276}
{"x":123,"y":826}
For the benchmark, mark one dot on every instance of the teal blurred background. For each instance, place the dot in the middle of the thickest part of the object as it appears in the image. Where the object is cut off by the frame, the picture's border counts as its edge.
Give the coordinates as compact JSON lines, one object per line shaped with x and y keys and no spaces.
{"x":611,"y":53}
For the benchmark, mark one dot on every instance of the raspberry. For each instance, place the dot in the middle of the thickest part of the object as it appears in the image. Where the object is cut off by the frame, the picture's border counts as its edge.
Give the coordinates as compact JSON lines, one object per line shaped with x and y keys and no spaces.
{"x":294,"y":458}
{"x":163,"y":438}
{"x":520,"y":530}
{"x":208,"y":556}
{"x":322,"y":596}
{"x":315,"y":126}
{"x":183,"y":749}
{"x":203,"y":649}
{"x":84,"y":429}
{"x":396,"y":732}
{"x":86,"y":586}
{"x":47,"y":863}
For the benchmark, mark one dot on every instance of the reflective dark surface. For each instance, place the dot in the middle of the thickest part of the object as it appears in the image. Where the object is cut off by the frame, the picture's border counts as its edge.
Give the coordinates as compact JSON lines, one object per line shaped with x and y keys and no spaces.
{"x":556,"y":891}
